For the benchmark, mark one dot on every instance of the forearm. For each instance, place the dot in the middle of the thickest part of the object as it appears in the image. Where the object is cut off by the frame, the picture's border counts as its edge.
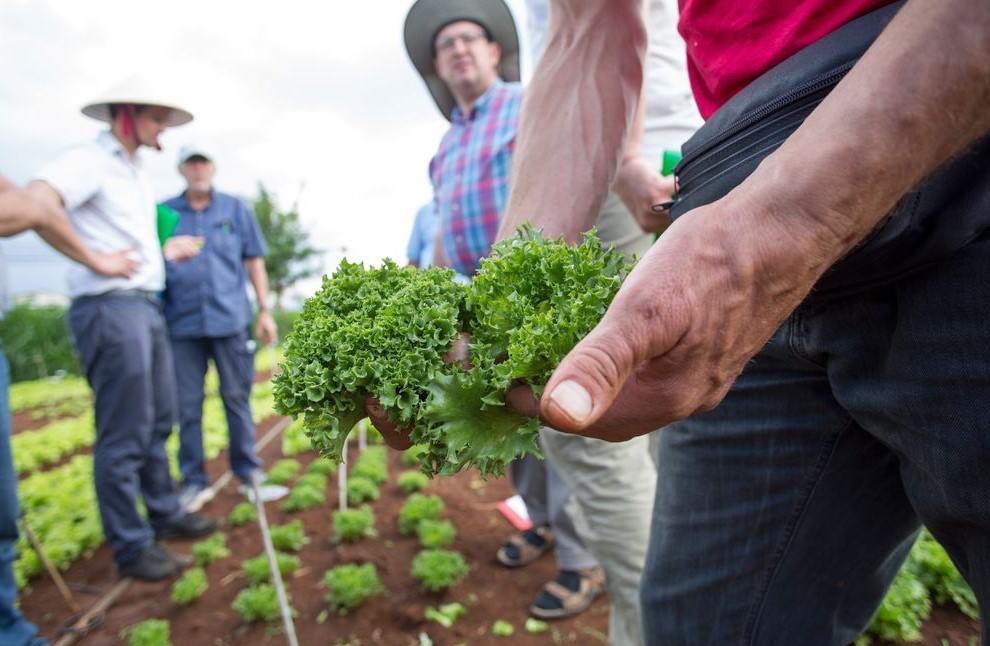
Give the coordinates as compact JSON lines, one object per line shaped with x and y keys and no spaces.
{"x":915,"y":99}
{"x":18,"y":213}
{"x":53,"y":226}
{"x":258,"y":276}
{"x":575,"y":116}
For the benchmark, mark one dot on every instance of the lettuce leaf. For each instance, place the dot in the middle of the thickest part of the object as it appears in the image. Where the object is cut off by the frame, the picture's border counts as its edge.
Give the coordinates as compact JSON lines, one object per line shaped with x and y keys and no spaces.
{"x":385,"y":331}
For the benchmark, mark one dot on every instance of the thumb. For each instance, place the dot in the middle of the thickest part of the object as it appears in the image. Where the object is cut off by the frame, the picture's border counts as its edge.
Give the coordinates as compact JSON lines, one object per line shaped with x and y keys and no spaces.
{"x":588,"y":379}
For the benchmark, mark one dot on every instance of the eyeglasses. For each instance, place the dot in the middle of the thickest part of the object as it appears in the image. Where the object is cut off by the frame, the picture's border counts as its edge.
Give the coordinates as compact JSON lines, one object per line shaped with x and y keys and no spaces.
{"x":448,"y":42}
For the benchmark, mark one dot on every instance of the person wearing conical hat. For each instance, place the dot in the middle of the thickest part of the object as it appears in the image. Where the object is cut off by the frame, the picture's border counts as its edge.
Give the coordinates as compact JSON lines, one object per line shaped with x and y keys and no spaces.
{"x":118,"y":328}
{"x":19,"y":212}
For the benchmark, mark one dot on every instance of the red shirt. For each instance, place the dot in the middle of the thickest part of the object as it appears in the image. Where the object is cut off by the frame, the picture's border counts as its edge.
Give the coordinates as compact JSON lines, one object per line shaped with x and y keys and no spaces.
{"x":731,"y":42}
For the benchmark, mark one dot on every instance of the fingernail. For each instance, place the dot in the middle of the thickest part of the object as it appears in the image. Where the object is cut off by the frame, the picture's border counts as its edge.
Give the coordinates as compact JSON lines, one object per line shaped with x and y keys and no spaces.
{"x":573,"y":399}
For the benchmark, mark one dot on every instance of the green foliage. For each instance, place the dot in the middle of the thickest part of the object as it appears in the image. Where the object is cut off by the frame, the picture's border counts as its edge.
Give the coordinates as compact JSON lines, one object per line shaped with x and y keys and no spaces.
{"x":413,"y":455}
{"x":289,"y":537}
{"x":294,"y":440}
{"x":284,"y":319}
{"x":190,"y":586}
{"x":349,"y":586}
{"x":904,"y":609}
{"x":413,"y":481}
{"x":313,"y":479}
{"x":932,"y":566}
{"x":290,"y":257}
{"x":52,"y":394}
{"x":257,"y":570}
{"x":257,"y":603}
{"x":37,"y":343}
{"x":439,"y":569}
{"x":928,"y":573}
{"x":283,"y":471}
{"x":446,"y":614}
{"x":243,"y":512}
{"x":319,"y":465}
{"x":353,"y":524}
{"x":60,"y":506}
{"x":502,"y":628}
{"x":150,"y":632}
{"x":47,"y":445}
{"x":381,"y":331}
{"x":361,"y":489}
{"x":435,"y":533}
{"x":535,"y":626}
{"x":210,"y":549}
{"x":303,"y":497}
{"x":418,"y":507}
{"x":385,"y":332}
{"x":372,"y":465}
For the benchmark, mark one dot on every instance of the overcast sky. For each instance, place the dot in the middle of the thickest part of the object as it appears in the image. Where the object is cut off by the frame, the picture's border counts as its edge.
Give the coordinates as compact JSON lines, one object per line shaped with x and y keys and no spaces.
{"x":316,"y":100}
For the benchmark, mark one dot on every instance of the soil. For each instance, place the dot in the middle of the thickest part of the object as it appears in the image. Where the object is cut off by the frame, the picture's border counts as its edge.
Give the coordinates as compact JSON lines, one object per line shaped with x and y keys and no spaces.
{"x":396,"y":618}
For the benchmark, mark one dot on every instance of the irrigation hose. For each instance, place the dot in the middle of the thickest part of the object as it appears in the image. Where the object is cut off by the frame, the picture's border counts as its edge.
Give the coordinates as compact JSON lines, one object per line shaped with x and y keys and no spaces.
{"x":283,"y":603}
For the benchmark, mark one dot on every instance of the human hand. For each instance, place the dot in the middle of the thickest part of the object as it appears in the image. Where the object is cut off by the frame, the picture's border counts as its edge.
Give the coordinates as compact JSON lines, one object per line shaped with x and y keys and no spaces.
{"x":395,"y":437}
{"x":399,"y":438}
{"x":180,"y":248}
{"x":265,"y":329}
{"x":640,"y":186}
{"x":694,"y":311}
{"x":115,"y":263}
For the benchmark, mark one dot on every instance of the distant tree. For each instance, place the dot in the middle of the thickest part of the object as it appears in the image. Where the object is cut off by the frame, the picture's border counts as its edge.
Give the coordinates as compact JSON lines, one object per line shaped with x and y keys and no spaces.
{"x":290,"y":257}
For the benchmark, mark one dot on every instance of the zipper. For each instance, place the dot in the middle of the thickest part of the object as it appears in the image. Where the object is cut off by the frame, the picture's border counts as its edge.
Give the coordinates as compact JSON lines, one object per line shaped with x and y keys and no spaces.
{"x":810,"y":88}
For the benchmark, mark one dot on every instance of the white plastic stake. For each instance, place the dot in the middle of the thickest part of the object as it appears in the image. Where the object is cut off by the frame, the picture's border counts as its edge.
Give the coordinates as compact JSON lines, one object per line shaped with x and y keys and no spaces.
{"x":342,"y":480}
{"x":283,"y":602}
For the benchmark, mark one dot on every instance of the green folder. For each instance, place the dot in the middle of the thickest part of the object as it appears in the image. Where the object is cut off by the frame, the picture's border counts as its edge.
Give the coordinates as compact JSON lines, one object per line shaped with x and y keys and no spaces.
{"x":168,"y":219}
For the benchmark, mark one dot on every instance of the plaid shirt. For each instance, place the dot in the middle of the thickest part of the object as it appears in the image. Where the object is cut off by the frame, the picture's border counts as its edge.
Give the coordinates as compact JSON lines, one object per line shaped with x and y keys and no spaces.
{"x":470,"y":175}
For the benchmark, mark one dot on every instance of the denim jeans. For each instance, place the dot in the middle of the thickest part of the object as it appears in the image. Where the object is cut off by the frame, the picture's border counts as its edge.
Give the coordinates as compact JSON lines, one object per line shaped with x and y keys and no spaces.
{"x":15,"y":630}
{"x":234,"y":361}
{"x":783,"y":514}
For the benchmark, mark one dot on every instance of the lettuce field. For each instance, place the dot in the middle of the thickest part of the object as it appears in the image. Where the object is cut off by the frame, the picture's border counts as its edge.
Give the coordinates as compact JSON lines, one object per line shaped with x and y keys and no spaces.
{"x":370,"y":552}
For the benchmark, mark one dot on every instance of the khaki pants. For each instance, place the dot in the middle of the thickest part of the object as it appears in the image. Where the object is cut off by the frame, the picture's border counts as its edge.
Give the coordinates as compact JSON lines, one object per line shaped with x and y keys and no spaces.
{"x":612,"y":484}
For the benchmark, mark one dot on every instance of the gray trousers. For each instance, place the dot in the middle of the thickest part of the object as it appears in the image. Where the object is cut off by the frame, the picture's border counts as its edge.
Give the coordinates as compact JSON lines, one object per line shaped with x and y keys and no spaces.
{"x":124,"y":351}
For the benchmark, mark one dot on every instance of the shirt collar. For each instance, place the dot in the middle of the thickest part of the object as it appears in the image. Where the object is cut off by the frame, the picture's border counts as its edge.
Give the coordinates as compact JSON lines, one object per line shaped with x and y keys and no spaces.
{"x":112,"y":145}
{"x":184,"y":201}
{"x":480,"y":106}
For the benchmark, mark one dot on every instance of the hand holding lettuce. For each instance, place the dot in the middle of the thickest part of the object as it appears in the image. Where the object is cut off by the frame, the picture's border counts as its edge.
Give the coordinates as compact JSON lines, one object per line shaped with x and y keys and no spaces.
{"x":385,"y":331}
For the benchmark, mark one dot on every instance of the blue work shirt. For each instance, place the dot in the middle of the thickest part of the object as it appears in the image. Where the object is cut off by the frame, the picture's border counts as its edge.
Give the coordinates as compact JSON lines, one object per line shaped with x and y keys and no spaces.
{"x":420,"y":246}
{"x":206,"y":296}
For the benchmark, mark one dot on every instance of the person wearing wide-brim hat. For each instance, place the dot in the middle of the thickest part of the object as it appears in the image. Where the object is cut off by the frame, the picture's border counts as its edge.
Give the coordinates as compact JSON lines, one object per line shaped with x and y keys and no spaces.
{"x":467,"y":52}
{"x":117,"y":325}
{"x":427,"y":18}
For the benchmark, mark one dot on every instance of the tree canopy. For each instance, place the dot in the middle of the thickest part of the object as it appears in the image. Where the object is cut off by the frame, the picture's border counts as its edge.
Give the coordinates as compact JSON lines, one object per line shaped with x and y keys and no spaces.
{"x":290,"y":257}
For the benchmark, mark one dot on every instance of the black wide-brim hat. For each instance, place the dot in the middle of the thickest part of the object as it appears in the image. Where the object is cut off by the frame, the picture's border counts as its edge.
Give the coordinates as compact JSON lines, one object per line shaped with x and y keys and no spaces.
{"x":427,"y":17}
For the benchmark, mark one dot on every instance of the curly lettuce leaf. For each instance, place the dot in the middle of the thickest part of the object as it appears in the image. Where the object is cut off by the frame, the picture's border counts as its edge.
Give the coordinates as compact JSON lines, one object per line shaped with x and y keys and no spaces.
{"x":382,"y":331}
{"x":461,"y":431}
{"x":385,"y":331}
{"x":534,"y":299}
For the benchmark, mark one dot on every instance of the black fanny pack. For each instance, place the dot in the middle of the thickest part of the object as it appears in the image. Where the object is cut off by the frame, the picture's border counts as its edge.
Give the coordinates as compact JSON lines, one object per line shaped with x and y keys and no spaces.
{"x":942,"y":214}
